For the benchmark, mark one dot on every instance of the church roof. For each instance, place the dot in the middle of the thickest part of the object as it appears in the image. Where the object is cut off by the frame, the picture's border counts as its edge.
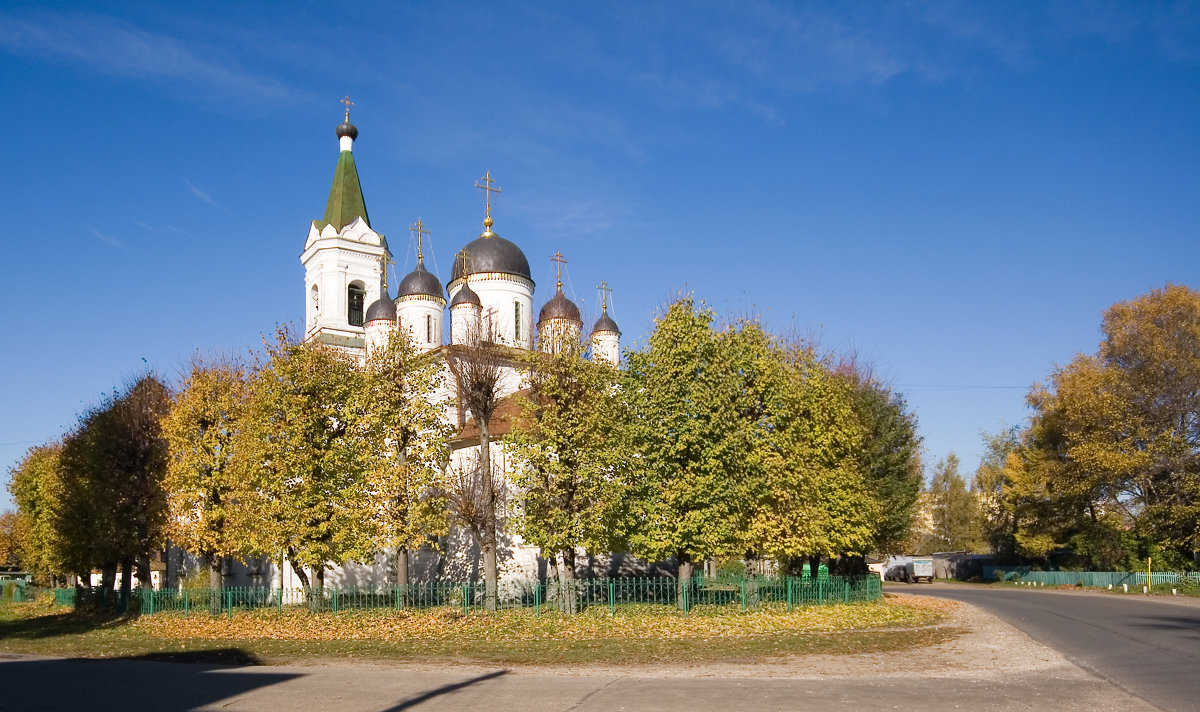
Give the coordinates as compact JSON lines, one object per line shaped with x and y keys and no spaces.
{"x":491,"y":253}
{"x":559,"y":307}
{"x":605,"y":323}
{"x":465,"y":295}
{"x":345,"y":197}
{"x":382,"y":308}
{"x":420,"y":282}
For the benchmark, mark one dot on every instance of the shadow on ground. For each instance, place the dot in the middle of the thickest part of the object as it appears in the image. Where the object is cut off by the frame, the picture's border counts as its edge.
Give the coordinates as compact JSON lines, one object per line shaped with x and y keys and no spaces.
{"x":144,"y":682}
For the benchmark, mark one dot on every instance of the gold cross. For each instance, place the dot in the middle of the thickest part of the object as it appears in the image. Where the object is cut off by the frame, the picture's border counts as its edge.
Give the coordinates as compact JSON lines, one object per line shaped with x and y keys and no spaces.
{"x":346,"y":100}
{"x":464,"y":259}
{"x":557,"y":257}
{"x":605,"y":290}
{"x":383,"y":265}
{"x":487,"y":192}
{"x":419,"y":228}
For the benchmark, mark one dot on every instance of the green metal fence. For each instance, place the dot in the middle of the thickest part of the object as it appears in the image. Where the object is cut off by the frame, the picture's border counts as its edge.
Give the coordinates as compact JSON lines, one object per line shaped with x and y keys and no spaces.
{"x":1097,"y":579}
{"x":699,"y":595}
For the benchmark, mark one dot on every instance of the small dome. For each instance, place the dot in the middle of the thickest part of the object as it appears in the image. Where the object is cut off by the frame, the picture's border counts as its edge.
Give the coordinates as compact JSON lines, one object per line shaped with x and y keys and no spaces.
{"x":348,"y":129}
{"x":382,"y":308}
{"x":491,"y":253}
{"x":605,"y":323}
{"x":420,"y":282}
{"x":559,"y":307}
{"x":465,"y":295}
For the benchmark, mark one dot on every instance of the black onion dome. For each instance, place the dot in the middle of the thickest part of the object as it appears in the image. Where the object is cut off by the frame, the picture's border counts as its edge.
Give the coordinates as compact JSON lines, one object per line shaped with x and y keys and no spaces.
{"x":605,"y":323}
{"x":382,"y":308}
{"x":420,"y":282}
{"x":465,"y":295}
{"x":559,"y":307}
{"x":348,"y":129}
{"x":492,"y":254}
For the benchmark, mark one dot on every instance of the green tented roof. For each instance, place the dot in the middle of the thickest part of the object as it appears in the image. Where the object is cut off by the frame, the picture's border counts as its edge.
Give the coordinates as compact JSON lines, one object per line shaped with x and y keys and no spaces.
{"x":345,"y":197}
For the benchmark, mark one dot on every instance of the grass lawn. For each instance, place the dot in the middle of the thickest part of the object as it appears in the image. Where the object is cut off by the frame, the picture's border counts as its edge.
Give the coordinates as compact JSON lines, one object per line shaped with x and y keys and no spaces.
{"x":650,"y":635}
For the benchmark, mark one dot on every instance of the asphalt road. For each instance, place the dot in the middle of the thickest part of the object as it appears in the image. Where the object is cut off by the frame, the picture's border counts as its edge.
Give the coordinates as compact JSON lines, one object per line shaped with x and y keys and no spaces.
{"x":1147,"y":646}
{"x":49,"y":684}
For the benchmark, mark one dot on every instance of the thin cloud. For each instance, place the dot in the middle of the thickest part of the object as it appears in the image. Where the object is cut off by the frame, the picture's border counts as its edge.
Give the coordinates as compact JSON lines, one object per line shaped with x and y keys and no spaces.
{"x":118,"y":48}
{"x":202,"y":195}
{"x":108,"y":240}
{"x":165,"y":228}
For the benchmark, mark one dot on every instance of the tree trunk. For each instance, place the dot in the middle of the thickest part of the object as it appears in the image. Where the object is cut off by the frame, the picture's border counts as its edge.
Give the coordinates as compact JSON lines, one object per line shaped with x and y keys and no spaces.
{"x":402,"y":574}
{"x":684,"y":582}
{"x":143,"y":571}
{"x":751,"y":580}
{"x":814,"y":566}
{"x":108,"y":579}
{"x":487,"y":544}
{"x":300,"y":574}
{"x":126,"y":583}
{"x":216,"y":565}
{"x":568,"y":600}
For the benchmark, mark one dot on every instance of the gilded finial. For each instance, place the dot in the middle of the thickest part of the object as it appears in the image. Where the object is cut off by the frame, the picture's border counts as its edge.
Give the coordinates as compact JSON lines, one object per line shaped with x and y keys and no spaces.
{"x":419,"y":228}
{"x":557,"y":257}
{"x":487,"y":189}
{"x":346,"y":100}
{"x":604,"y":290}
{"x":383,"y":265}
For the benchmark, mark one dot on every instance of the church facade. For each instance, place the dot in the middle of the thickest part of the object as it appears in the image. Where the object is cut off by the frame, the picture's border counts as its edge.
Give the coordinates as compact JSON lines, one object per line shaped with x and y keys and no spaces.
{"x":489,"y":295}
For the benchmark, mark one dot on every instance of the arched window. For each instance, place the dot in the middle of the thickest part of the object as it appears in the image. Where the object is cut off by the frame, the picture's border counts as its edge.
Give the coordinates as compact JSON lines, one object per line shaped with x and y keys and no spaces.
{"x":355,"y":296}
{"x":428,"y":329}
{"x":516,"y":323}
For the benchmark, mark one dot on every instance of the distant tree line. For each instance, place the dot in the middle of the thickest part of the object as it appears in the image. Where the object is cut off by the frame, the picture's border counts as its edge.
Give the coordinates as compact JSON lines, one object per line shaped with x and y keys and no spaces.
{"x":712,"y":442}
{"x":1107,"y":470}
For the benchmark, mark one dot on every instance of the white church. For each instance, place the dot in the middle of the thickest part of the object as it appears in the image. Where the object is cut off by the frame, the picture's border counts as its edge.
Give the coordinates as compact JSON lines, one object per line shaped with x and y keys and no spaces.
{"x":490,"y":292}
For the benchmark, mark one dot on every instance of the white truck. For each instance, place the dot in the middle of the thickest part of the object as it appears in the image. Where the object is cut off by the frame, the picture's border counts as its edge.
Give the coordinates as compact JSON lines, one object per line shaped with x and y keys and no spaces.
{"x":917,"y":569}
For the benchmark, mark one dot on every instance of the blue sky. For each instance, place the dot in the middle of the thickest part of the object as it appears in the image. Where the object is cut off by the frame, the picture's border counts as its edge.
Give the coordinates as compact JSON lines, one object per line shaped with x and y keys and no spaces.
{"x":954,"y":190}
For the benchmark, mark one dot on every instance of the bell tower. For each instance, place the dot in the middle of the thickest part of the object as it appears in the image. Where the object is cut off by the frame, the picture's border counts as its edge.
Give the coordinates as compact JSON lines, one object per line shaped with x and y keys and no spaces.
{"x":342,"y":256}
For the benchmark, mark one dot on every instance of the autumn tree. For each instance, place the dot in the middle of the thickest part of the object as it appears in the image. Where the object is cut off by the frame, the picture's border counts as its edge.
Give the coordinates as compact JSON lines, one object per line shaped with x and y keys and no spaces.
{"x":405,"y":447}
{"x":304,"y":485}
{"x":991,"y":487}
{"x":12,"y":539}
{"x":569,"y":453}
{"x":37,"y":489}
{"x":889,"y":455}
{"x":817,"y":501}
{"x":689,"y":450}
{"x":1109,"y":468}
{"x":951,"y":508}
{"x":478,"y":369}
{"x":201,"y":430}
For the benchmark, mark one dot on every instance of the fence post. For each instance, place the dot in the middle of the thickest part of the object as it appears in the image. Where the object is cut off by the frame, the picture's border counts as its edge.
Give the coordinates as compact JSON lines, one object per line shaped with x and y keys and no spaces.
{"x":150,"y":597}
{"x":846,"y":583}
{"x":466,"y":590}
{"x":185,"y":603}
{"x":229,"y":603}
{"x":612,"y":597}
{"x":279,"y":601}
{"x":537,"y":599}
{"x":820,"y":591}
{"x":335,"y":600}
{"x":743,"y":595}
{"x":789,"y":593}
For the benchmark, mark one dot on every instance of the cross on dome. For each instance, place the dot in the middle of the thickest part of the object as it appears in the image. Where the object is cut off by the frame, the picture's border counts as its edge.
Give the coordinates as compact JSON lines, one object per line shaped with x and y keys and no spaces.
{"x":346,"y":100}
{"x":419,"y":229}
{"x":488,"y":189}
{"x":558,"y":257}
{"x":604,"y":290}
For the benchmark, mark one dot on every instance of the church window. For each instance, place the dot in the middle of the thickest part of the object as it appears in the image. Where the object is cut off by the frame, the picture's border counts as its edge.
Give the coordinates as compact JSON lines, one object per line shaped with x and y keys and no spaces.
{"x":355,"y":297}
{"x":428,"y":329}
{"x":517,"y":322}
